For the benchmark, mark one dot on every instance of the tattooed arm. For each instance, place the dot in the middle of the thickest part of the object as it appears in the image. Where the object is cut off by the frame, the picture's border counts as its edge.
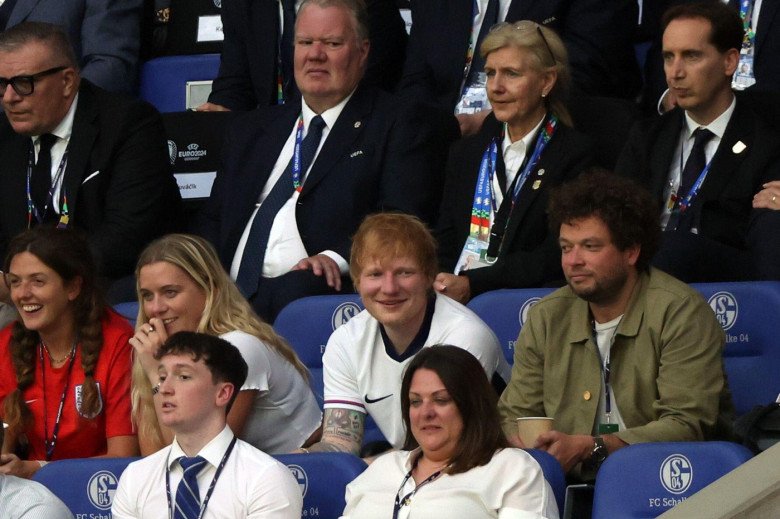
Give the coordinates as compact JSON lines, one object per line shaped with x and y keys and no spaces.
{"x":342,"y":431}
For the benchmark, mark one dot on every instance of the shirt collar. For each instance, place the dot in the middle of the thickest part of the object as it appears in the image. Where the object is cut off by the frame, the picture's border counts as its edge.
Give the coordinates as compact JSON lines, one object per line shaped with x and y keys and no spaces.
{"x":329,"y":116}
{"x":718,"y":126}
{"x":521,"y":145}
{"x":211,"y":452}
{"x":65,"y":128}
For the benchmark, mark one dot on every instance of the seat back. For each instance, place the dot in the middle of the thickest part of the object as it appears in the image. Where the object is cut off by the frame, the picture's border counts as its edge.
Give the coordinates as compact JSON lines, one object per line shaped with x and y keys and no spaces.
{"x":323,"y":477}
{"x":128,"y":310}
{"x":167,"y":81}
{"x":505,"y":311}
{"x":86,"y":486}
{"x":307,"y":324}
{"x":553,"y":473}
{"x":645,"y":480}
{"x":747,"y":312}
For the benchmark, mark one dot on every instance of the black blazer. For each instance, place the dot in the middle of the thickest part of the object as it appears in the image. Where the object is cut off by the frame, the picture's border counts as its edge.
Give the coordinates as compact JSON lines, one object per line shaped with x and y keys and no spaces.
{"x":120,"y":189}
{"x":530,"y":256}
{"x":728,"y":227}
{"x":377,"y":157}
{"x":598,"y":36}
{"x":248,"y":68}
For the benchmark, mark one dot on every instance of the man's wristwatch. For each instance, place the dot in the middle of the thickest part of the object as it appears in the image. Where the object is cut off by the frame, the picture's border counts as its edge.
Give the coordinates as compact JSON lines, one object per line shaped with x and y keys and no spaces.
{"x":599,"y":453}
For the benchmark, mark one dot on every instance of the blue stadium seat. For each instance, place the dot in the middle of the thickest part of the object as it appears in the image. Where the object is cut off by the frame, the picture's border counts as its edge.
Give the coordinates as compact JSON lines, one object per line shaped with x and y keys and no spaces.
{"x":505,"y":311}
{"x":86,"y":486}
{"x":128,"y":310}
{"x":307,"y":324}
{"x":323,"y":477}
{"x":748,"y":313}
{"x":645,"y":480}
{"x":164,"y":80}
{"x":553,"y":473}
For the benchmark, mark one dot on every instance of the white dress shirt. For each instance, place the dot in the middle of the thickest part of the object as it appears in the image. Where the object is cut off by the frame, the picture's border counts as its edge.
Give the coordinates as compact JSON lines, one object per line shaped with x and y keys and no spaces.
{"x":25,"y":499}
{"x":63,"y":133}
{"x":285,"y":247}
{"x":252,"y":485}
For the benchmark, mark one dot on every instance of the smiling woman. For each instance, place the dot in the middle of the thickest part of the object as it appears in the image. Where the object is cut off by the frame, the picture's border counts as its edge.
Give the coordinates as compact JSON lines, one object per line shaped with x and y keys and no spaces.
{"x":65,"y":365}
{"x":455,"y":456}
{"x":182,"y":287}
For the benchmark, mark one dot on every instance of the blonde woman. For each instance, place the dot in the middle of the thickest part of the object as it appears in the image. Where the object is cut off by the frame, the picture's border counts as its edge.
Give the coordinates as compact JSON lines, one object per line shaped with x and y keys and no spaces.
{"x":182,"y":287}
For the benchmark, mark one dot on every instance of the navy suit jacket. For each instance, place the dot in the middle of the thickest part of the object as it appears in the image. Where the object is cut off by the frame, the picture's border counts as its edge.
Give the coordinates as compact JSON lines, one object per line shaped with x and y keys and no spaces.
{"x":120,"y":190}
{"x":248,"y":70}
{"x":598,"y":36}
{"x":729,"y":228}
{"x":530,"y":256}
{"x":105,"y":35}
{"x":377,"y":157}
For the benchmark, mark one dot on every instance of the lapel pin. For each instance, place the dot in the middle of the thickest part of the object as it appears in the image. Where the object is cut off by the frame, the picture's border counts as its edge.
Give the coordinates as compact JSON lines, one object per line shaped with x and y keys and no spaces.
{"x":537,"y":184}
{"x":541,"y":172}
{"x":357,"y":124}
{"x":739,"y":147}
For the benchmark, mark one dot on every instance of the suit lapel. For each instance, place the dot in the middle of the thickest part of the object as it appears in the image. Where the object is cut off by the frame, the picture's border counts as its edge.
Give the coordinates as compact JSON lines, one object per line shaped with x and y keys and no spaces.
{"x":662,"y":154}
{"x":351,"y":123}
{"x":765,"y":19}
{"x":82,"y":141}
{"x":726,"y":162}
{"x":22,"y":9}
{"x":13,"y":177}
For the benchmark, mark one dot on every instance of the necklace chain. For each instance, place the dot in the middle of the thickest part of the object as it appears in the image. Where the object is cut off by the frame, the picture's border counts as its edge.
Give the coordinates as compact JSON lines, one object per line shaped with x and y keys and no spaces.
{"x":52,"y":359}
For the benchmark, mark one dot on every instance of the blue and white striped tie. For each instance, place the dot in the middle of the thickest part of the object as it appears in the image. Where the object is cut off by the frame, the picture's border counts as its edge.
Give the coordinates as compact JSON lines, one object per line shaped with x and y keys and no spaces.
{"x":187,"y":494}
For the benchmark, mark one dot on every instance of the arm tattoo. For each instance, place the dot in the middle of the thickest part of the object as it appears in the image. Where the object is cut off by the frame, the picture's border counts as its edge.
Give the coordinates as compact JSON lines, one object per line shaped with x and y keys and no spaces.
{"x":342,"y":431}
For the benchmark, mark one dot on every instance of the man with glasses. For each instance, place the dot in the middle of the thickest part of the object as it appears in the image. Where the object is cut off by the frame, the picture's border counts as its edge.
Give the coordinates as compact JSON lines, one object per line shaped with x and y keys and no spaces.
{"x":76,"y":155}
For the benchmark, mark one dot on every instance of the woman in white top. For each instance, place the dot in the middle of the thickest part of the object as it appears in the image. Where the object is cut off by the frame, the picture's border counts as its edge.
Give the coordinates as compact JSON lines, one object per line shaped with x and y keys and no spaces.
{"x":182,"y":286}
{"x":455,"y":458}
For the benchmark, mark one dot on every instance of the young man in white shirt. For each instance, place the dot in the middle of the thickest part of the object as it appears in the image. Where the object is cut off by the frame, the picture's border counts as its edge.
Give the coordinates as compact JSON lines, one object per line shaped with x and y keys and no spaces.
{"x":199,"y":377}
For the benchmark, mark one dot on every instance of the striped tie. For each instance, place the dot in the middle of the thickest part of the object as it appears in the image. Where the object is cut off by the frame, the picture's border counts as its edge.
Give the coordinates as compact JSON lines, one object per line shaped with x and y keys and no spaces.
{"x":187,"y":494}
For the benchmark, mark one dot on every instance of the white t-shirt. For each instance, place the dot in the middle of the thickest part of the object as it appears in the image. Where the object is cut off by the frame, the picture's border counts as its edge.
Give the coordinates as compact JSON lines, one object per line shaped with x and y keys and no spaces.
{"x":253,"y":485}
{"x":510,"y":486}
{"x":286,"y":412}
{"x":361,"y":374}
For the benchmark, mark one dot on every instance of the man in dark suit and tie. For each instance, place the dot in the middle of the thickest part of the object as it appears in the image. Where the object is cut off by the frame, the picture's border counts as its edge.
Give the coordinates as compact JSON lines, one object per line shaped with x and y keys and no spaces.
{"x":74,"y":155}
{"x":704,"y":160}
{"x":298,"y":179}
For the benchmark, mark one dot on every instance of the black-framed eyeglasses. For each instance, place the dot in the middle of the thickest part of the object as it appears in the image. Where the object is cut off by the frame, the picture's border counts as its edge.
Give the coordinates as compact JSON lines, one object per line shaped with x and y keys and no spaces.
{"x":24,"y":85}
{"x":526,"y":25}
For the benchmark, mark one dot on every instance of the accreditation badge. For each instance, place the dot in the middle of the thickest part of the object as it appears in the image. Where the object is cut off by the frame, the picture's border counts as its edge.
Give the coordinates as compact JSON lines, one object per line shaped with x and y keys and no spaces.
{"x":744,"y":76}
{"x":473,"y":256}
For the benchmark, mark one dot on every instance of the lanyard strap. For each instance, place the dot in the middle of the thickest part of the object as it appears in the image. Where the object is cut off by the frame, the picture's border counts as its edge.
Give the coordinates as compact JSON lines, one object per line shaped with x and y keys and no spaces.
{"x":49,"y":445}
{"x":296,"y":163}
{"x":745,"y":9}
{"x":484,"y":200}
{"x":210,"y":491}
{"x":499,"y":230}
{"x":605,"y":370}
{"x":405,"y":500}
{"x":31,"y":209}
{"x":684,"y":203}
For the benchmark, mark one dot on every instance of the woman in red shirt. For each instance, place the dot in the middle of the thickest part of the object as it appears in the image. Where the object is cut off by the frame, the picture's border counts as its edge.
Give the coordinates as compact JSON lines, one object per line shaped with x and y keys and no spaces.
{"x":65,"y":364}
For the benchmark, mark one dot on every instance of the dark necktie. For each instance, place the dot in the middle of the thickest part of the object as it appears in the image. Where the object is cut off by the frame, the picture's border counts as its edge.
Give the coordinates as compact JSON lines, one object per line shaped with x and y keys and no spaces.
{"x":696,"y":161}
{"x":477,"y":61}
{"x":40,"y":183}
{"x":251,"y":267}
{"x":288,"y":45}
{"x":187,"y":493}
{"x":5,"y":13}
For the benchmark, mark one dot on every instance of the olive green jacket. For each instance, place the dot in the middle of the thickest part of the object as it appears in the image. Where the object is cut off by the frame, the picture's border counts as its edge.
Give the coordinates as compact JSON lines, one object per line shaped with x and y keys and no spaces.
{"x":666,"y":366}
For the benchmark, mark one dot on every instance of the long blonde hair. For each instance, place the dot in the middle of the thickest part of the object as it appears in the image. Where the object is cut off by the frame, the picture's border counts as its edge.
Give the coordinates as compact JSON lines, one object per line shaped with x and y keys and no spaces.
{"x":225,"y":311}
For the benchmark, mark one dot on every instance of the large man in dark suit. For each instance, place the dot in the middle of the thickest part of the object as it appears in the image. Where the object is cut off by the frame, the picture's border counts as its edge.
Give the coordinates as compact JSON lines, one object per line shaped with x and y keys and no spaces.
{"x":107,"y":171}
{"x":705,"y":160}
{"x":250,"y":61}
{"x":372,"y":155}
{"x":598,"y":36}
{"x":105,"y":34}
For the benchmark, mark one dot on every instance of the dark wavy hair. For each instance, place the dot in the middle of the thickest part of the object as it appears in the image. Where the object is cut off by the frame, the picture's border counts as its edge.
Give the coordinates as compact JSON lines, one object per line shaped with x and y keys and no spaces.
{"x":628,"y":210}
{"x":65,"y":252}
{"x":468,"y":386}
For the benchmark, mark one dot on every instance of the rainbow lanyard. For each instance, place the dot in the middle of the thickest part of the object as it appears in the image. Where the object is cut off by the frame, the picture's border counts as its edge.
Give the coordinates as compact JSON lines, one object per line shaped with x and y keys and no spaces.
{"x":684,"y":203}
{"x":750,"y":36}
{"x":296,"y":163}
{"x":484,"y":199}
{"x":31,"y":209}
